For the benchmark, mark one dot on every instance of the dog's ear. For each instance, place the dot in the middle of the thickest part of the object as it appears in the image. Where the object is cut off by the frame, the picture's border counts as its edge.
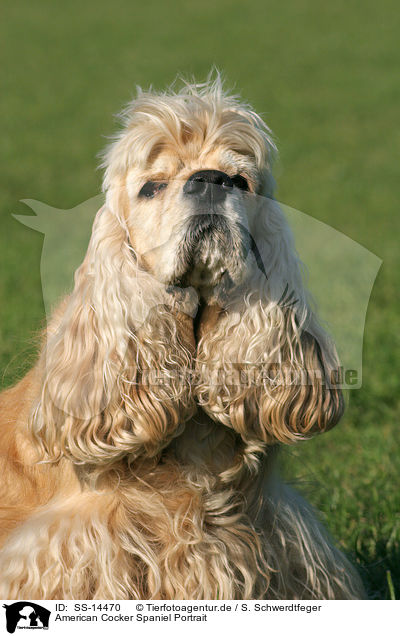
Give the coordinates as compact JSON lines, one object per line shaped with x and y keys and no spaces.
{"x":266,"y":367}
{"x":112,"y":367}
{"x":300,"y":397}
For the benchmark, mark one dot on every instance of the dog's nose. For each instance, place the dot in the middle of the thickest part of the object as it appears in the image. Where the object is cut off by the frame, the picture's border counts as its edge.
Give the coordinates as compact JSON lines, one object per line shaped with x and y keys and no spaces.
{"x":210,"y":185}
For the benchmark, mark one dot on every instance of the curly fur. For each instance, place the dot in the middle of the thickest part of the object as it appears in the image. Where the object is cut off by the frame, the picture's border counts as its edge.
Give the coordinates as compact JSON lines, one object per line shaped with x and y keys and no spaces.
{"x":139,"y":453}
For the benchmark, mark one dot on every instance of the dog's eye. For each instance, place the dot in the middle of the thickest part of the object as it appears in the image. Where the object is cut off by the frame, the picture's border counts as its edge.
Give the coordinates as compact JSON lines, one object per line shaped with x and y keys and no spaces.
{"x":151,"y":188}
{"x":240,"y":182}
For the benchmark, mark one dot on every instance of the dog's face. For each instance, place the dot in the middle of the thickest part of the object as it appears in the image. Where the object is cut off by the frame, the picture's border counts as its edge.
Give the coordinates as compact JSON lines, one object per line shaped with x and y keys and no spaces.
{"x":189,"y":199}
{"x":189,"y":218}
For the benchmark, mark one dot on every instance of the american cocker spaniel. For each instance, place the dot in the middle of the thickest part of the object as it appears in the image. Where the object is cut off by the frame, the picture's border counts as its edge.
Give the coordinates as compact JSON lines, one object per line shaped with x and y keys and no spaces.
{"x":138,"y":455}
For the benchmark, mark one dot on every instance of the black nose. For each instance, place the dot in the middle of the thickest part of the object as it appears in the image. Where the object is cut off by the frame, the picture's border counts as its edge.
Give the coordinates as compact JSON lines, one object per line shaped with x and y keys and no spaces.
{"x":209,"y":185}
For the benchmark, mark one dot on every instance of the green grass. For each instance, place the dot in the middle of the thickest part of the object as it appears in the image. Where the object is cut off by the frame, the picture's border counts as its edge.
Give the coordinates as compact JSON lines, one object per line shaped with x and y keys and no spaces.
{"x":326,"y":77}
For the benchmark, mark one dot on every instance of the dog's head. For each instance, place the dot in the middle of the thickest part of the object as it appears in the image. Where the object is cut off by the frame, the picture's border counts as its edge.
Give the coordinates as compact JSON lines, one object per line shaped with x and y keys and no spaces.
{"x":182,"y":172}
{"x":189,"y":222}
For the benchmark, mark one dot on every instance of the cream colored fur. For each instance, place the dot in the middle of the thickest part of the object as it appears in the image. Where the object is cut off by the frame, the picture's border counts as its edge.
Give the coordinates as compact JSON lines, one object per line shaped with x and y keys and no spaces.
{"x":134,"y":464}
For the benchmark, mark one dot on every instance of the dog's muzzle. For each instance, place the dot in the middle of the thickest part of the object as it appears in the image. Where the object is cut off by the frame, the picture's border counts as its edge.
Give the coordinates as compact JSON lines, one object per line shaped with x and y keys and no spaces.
{"x":213,"y":248}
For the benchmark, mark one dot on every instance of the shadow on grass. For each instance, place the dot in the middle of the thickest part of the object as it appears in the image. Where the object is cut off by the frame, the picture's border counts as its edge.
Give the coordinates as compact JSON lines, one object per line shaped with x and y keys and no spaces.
{"x":380,"y":573}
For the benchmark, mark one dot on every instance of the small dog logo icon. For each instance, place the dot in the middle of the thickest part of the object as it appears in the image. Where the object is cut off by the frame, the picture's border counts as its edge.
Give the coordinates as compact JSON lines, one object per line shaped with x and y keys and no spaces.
{"x":26,"y":615}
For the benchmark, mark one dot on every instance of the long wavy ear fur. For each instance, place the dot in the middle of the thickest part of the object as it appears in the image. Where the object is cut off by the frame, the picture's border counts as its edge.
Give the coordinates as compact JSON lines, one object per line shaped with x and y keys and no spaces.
{"x":266,"y":366}
{"x":102,"y":397}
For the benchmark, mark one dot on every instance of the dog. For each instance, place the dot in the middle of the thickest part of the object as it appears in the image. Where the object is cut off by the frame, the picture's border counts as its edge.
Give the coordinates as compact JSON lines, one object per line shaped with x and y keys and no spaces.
{"x":138,"y":456}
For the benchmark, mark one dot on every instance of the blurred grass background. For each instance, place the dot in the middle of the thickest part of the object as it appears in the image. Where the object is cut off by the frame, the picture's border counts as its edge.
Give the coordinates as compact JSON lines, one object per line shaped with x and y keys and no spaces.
{"x":325,"y":75}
